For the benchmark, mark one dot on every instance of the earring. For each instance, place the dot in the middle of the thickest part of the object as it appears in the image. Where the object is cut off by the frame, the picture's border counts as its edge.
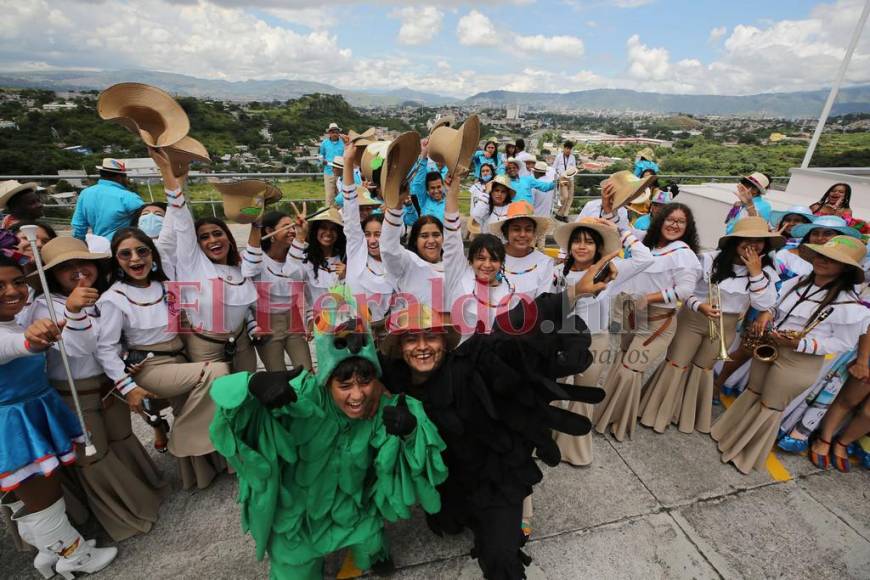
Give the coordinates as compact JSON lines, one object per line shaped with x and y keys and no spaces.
{"x":153,"y":266}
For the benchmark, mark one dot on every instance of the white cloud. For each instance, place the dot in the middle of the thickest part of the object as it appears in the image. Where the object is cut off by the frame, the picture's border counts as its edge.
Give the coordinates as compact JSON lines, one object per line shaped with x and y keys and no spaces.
{"x":646,"y":63}
{"x":717,"y":33}
{"x":630,"y":3}
{"x":476,"y":29}
{"x":563,"y":45}
{"x":419,"y":25}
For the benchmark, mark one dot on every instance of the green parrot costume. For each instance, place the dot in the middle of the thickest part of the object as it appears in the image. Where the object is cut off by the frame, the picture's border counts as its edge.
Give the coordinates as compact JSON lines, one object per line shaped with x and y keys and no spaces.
{"x":313,"y":481}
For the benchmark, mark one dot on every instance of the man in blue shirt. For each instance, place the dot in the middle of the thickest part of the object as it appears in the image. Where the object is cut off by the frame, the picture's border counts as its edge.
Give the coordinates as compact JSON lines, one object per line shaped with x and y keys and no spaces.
{"x":107,"y":206}
{"x":431,"y":200}
{"x":330,"y":148}
{"x":524,"y":184}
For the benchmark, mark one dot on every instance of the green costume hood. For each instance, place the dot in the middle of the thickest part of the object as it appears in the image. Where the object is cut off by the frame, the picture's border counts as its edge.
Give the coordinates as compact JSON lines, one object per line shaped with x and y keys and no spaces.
{"x":340,"y":333}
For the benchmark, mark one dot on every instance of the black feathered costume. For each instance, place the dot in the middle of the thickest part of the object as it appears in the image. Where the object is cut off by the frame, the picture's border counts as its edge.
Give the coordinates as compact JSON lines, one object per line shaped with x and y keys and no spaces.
{"x":490,"y":400}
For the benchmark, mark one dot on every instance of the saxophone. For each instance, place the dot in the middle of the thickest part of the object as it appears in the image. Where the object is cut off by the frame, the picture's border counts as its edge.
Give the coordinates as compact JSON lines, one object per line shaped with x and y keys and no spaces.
{"x":765,"y":349}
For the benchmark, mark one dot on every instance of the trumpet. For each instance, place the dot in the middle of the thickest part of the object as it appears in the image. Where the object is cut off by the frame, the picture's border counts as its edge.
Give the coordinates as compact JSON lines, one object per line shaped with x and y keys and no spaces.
{"x":766,"y":350}
{"x":714,"y":330}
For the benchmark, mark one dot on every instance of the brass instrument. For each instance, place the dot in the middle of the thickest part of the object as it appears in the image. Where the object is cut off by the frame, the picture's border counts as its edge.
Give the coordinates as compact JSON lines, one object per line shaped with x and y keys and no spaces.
{"x":765,"y":350}
{"x":714,"y":296}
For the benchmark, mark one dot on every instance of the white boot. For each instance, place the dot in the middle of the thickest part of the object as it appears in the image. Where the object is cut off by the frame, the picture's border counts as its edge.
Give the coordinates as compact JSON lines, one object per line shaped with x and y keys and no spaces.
{"x":50,"y":531}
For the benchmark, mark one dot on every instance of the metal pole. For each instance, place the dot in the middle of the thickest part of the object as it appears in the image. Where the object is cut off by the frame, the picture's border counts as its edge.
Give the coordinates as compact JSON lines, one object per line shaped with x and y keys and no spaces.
{"x":30,"y":232}
{"x":832,"y":96}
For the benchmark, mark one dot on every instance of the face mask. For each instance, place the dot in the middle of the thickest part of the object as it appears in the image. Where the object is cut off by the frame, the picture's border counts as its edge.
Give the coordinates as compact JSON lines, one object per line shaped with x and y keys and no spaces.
{"x":151,"y":224}
{"x":485,"y":178}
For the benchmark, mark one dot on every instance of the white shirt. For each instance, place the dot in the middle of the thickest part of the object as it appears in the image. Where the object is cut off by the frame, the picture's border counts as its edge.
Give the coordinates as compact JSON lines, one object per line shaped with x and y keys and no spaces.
{"x":738,"y":292}
{"x":365,"y":275}
{"x":406,"y":271}
{"x":837,"y":333}
{"x":82,"y":360}
{"x":470,"y":301}
{"x":133,"y":316}
{"x":284,"y":292}
{"x":318,"y":280}
{"x":674,"y":272}
{"x":788,"y":262}
{"x":595,"y":310}
{"x":592,"y":208}
{"x":216,"y":298}
{"x":543,"y":200}
{"x":531,"y":275}
{"x":563,"y":162}
{"x":521,"y":157}
{"x":481,"y":214}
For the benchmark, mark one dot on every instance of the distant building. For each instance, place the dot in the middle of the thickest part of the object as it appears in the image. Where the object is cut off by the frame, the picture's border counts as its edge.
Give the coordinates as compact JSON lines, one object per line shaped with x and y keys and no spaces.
{"x":64,"y":106}
{"x":80,"y":149}
{"x":8,"y":124}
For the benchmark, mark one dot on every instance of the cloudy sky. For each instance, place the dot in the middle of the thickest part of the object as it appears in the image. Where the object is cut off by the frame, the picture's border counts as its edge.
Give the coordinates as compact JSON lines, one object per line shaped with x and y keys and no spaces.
{"x":455,"y":47}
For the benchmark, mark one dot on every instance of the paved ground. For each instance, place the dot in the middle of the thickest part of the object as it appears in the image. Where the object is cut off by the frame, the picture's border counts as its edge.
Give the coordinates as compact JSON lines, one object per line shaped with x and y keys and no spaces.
{"x":660,"y":506}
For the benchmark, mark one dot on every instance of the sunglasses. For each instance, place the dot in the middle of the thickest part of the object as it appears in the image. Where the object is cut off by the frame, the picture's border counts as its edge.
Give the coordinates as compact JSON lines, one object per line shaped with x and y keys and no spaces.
{"x":127,"y":254}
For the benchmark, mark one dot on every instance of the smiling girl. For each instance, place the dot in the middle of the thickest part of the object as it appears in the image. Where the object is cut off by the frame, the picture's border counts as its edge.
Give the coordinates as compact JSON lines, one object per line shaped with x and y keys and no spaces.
{"x":651,"y":302}
{"x":492,"y":205}
{"x":123,"y":487}
{"x":681,"y":390}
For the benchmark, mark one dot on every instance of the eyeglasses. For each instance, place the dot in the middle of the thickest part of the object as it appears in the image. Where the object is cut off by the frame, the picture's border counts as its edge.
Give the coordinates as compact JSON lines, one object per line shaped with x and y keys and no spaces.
{"x":673,"y":222}
{"x":127,"y":254}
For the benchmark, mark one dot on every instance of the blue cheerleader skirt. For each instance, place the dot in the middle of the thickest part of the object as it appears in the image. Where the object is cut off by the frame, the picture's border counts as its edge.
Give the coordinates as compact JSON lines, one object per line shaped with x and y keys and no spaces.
{"x":38,"y":429}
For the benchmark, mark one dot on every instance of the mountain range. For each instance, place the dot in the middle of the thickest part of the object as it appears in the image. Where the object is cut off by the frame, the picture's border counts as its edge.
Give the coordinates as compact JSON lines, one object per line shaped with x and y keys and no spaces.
{"x":796,"y":104}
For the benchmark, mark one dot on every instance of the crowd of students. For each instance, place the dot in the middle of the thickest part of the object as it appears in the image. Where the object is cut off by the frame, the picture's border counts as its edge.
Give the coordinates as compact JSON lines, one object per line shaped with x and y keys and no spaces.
{"x":437,"y":376}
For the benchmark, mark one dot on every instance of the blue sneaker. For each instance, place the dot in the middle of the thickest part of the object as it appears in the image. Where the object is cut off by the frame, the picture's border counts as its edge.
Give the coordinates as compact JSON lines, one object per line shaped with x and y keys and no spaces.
{"x":791,"y":445}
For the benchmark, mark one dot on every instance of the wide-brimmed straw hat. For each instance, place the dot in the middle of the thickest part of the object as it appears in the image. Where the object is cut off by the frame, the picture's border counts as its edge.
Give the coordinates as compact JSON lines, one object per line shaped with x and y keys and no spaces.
{"x":753,"y":227}
{"x":330,"y":215}
{"x":185,"y":152}
{"x":245,"y":201}
{"x":417,"y":317}
{"x":359,"y":141}
{"x":442,"y":121}
{"x":542,"y":167}
{"x":776,"y":217}
{"x":454,"y":148}
{"x":11,"y":188}
{"x":609,"y":235}
{"x":504,"y":181}
{"x":333,"y":127}
{"x":825,"y":222}
{"x":521,"y":210}
{"x":111,"y":165}
{"x":63,"y":249}
{"x":390,"y":162}
{"x":627,"y":187}
{"x":844,"y":249}
{"x":147,"y":111}
{"x":759,"y":180}
{"x":365,"y":197}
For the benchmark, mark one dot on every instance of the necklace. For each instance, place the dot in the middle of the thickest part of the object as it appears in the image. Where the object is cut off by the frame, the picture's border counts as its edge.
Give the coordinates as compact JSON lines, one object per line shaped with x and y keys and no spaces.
{"x":134,"y":302}
{"x":521,"y":272}
{"x":489,"y":304}
{"x":369,"y":268}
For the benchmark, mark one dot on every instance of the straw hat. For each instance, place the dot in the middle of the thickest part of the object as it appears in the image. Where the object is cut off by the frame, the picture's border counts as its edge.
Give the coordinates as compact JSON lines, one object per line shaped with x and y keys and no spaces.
{"x":514,"y":160}
{"x":570,"y":172}
{"x":826,"y":222}
{"x":112,"y":165}
{"x":365,"y":197}
{"x":610,"y":235}
{"x":759,"y":180}
{"x":60,"y":250}
{"x":753,"y":227}
{"x":442,"y":121}
{"x":389,"y":162}
{"x":517,"y":210}
{"x":627,"y":186}
{"x":245,"y":201}
{"x":542,"y":167}
{"x":528,"y":157}
{"x":844,"y":249}
{"x":11,"y":188}
{"x":146,"y":111}
{"x":416,"y":317}
{"x":776,"y":217}
{"x":453,"y":148}
{"x":333,"y":127}
{"x":505,"y":181}
{"x":360,"y":140}
{"x":330,"y":215}
{"x":646,"y":153}
{"x":185,"y":152}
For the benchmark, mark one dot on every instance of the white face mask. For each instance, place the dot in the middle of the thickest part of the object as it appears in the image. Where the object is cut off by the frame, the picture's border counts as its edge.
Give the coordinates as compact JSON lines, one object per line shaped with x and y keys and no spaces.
{"x":151,"y":224}
{"x":485,"y":178}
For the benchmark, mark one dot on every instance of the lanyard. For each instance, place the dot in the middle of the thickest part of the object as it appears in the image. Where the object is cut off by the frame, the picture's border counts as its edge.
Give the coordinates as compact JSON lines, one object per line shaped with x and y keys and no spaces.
{"x":801,"y":298}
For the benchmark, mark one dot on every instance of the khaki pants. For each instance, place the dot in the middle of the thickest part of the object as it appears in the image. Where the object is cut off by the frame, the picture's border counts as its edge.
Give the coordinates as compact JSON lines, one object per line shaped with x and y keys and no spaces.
{"x":282,"y":341}
{"x":566,"y":195}
{"x":201,"y":350}
{"x":186,"y":385}
{"x":330,"y":188}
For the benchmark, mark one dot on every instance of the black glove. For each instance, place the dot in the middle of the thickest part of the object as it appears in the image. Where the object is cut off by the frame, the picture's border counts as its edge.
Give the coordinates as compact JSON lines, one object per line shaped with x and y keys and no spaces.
{"x":398,"y":419}
{"x":675,"y":189}
{"x":273,"y":389}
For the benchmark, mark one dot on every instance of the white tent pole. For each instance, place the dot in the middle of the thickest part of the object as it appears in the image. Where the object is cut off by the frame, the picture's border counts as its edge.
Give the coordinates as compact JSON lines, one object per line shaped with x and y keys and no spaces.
{"x":832,"y":96}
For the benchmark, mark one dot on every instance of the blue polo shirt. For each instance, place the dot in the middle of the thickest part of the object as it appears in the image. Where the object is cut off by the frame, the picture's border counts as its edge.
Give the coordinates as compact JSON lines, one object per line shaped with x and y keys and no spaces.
{"x":104,"y":208}
{"x":524,"y":185}
{"x":329,"y":150}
